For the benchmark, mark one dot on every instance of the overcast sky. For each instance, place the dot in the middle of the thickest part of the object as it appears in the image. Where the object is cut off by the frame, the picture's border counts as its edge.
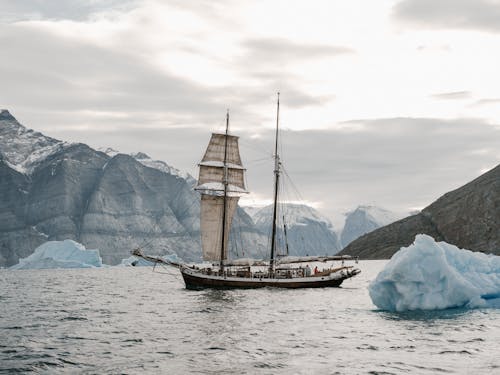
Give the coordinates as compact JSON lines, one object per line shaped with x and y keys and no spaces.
{"x":384,"y":102}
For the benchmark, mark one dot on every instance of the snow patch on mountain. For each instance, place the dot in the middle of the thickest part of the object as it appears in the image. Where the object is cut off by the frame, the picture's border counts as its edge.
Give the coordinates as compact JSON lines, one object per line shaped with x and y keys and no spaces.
{"x":21,"y":148}
{"x":252,"y":210}
{"x":147,"y":161}
{"x":365,"y":219}
{"x":308,"y":231}
{"x":156,"y":164}
{"x":295,"y":215}
{"x":380,"y":215}
{"x":111,"y":152}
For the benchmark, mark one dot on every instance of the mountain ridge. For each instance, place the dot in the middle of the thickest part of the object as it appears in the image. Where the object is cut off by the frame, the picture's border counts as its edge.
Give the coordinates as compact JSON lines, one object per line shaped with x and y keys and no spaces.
{"x":468,"y":217}
{"x":55,"y":190}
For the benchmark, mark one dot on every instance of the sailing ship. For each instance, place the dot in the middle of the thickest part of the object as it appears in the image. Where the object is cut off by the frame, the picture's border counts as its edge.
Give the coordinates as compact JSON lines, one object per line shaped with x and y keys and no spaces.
{"x":221,"y":183}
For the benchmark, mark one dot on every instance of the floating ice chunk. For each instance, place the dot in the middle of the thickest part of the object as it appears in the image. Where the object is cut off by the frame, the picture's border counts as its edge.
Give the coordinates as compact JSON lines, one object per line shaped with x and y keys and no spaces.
{"x":60,"y":254}
{"x":135,"y":261}
{"x":429,"y":275}
{"x":140,"y":262}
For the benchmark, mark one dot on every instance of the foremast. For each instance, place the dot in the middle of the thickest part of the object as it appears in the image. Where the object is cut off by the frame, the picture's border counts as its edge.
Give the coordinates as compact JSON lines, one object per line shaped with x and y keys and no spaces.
{"x":276,"y":190}
{"x":223,"y":255}
{"x":220,"y":183}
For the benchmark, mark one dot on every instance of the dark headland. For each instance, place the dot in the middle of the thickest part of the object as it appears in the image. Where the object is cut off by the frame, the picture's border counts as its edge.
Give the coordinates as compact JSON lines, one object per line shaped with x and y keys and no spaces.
{"x":468,"y":217}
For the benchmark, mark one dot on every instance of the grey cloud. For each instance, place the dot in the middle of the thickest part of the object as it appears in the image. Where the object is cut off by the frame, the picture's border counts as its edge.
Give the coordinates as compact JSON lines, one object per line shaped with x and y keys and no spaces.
{"x":398,"y":163}
{"x":453,"y":95}
{"x":22,"y":10}
{"x":486,"y":101}
{"x":450,"y":14}
{"x":52,"y":74}
{"x":56,"y":82}
{"x":266,"y":92}
{"x":264,"y":59}
{"x":281,"y":50}
{"x":443,"y":47}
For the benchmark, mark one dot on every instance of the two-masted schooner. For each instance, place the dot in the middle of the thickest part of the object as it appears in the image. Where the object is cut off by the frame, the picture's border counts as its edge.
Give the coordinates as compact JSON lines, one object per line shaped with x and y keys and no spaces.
{"x":221,"y":183}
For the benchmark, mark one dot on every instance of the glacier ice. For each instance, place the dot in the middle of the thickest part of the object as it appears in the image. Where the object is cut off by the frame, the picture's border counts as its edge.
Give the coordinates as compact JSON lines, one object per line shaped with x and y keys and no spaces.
{"x":60,"y":254}
{"x":429,"y":275}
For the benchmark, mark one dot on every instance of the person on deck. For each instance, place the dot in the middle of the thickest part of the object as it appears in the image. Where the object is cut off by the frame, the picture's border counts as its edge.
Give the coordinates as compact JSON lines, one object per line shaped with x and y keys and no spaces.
{"x":308,"y":271}
{"x":316,"y":271}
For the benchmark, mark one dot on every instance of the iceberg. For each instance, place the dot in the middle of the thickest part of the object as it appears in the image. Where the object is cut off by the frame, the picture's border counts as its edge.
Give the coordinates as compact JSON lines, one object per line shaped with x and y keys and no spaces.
{"x":60,"y":254}
{"x":430,"y":275}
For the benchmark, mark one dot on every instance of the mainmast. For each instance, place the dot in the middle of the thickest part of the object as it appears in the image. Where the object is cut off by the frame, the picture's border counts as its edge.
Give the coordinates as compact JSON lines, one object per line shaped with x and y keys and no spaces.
{"x":224,"y":209}
{"x":276,"y":186}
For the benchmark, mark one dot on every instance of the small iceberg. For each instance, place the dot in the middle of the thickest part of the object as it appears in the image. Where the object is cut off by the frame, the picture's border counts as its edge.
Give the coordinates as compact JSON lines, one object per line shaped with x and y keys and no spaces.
{"x":139,"y":262}
{"x":60,"y":254}
{"x":430,"y":275}
{"x":133,"y":261}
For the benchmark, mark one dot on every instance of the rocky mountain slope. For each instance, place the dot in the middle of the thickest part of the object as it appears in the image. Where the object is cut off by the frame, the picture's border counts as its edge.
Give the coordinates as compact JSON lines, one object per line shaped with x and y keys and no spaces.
{"x":53,"y":190}
{"x":365,"y":219}
{"x":468,"y":217}
{"x":308,"y":232}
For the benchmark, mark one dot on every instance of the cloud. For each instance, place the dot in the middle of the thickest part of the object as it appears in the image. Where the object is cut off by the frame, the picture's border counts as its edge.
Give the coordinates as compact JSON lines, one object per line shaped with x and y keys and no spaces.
{"x":486,"y":101}
{"x":158,"y":78}
{"x":22,"y":10}
{"x":48,"y":72}
{"x":395,"y":162}
{"x":264,"y":60}
{"x":60,"y":81}
{"x":282,"y":51}
{"x":454,"y":95}
{"x":481,"y":15}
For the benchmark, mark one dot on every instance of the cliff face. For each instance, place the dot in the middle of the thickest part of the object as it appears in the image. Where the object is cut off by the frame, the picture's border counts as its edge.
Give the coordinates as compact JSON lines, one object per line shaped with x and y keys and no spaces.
{"x":468,"y":217}
{"x":52,"y":190}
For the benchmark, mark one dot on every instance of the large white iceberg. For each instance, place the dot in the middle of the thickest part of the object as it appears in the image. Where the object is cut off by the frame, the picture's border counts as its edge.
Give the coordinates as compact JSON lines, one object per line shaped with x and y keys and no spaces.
{"x":60,"y":254}
{"x":429,"y":275}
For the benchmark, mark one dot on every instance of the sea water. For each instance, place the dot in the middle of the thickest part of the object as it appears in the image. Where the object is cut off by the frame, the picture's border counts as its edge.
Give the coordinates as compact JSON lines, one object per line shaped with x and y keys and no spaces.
{"x":131,"y":320}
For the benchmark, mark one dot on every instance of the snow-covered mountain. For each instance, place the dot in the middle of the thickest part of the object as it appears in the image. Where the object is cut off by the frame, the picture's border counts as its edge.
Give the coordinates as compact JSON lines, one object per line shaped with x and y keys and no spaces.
{"x":308,"y":226}
{"x":365,"y":219}
{"x":52,"y":190}
{"x":308,"y":231}
{"x":22,"y":148}
{"x":160,"y":165}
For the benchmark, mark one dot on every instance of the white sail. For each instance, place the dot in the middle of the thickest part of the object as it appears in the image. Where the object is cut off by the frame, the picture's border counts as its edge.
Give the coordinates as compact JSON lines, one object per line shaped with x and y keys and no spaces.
{"x":215,"y":150}
{"x":220,"y":166}
{"x":211,"y":178}
{"x":211,"y":225}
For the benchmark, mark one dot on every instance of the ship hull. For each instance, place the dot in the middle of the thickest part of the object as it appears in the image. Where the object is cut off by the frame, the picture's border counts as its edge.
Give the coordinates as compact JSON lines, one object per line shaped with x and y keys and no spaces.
{"x":196,"y":280}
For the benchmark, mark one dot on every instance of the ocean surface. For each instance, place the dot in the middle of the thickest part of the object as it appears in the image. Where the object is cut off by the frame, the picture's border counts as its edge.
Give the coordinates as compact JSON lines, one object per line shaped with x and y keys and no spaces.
{"x":131,"y":320}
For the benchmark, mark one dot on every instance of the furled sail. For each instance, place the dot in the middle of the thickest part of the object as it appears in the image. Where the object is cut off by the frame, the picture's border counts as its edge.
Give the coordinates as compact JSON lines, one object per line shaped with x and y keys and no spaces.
{"x":214,"y":174}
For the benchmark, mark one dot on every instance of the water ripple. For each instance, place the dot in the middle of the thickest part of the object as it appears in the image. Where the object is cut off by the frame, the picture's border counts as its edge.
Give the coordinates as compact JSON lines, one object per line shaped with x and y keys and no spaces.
{"x":103,"y":321}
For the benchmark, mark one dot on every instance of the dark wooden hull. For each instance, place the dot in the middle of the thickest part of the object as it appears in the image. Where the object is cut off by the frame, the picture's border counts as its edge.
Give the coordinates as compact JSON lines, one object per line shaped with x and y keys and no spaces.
{"x":196,"y":280}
